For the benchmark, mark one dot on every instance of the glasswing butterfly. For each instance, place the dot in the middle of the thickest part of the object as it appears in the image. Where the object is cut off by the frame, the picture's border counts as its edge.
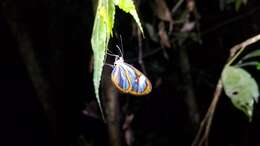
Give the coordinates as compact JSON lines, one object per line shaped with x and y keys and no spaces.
{"x":128,"y":79}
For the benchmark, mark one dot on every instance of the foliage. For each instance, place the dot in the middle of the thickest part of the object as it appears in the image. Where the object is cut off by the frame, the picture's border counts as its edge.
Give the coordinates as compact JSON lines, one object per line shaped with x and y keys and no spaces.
{"x":102,"y":30}
{"x":223,"y":4}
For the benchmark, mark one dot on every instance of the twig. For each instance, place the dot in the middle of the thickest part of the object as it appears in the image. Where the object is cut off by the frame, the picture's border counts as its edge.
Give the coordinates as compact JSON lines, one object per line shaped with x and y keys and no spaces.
{"x":176,"y":7}
{"x":241,"y":47}
{"x":207,"y":120}
{"x":140,"y":52}
{"x":230,"y":20}
{"x":152,"y":52}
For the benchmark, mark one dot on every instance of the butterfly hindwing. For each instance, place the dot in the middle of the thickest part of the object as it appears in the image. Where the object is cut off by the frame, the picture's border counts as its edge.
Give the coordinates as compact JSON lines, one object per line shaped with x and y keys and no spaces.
{"x":139,"y":82}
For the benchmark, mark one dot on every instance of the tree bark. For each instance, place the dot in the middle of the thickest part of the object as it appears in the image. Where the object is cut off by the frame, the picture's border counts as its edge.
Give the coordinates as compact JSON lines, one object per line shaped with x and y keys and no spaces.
{"x":112,"y":109}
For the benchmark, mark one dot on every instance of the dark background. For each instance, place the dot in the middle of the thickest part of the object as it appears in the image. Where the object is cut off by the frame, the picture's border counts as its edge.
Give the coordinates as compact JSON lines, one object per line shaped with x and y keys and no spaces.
{"x":59,"y":33}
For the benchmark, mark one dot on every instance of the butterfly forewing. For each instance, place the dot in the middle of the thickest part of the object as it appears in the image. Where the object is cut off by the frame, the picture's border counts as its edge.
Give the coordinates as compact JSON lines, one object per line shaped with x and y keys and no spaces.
{"x":120,"y":80}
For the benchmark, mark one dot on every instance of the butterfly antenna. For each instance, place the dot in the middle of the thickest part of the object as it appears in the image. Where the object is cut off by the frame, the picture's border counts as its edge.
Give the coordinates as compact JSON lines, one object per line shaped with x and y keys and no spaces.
{"x":121,"y":41}
{"x":109,"y":51}
{"x":119,"y":50}
{"x":110,"y":65}
{"x":110,"y":54}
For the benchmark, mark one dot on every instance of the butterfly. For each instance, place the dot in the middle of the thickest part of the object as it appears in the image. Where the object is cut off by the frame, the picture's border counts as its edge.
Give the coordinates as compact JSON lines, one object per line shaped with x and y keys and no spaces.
{"x":128,"y":79}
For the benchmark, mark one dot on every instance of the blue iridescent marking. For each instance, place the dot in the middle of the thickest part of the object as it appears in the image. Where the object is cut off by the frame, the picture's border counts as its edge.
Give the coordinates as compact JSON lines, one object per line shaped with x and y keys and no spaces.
{"x":137,"y":82}
{"x":121,"y":78}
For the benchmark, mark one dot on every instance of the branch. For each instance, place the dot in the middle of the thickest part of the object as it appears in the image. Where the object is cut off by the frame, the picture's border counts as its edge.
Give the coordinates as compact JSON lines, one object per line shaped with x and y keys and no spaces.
{"x":140,"y":51}
{"x":112,"y":109}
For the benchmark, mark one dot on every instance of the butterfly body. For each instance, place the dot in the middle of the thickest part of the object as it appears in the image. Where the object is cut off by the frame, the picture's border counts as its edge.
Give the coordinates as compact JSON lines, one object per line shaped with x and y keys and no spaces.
{"x":128,"y":79}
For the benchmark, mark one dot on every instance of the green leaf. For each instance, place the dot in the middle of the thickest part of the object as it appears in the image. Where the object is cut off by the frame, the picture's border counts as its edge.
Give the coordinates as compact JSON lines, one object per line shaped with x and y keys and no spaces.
{"x":129,"y":7}
{"x":258,"y":66}
{"x":252,"y":54}
{"x":238,"y":4}
{"x":102,"y":30}
{"x":241,"y":88}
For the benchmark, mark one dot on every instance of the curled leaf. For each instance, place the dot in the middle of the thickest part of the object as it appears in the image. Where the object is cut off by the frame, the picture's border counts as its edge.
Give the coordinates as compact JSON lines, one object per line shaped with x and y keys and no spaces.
{"x":164,"y":39}
{"x":241,"y":88}
{"x":163,"y":11}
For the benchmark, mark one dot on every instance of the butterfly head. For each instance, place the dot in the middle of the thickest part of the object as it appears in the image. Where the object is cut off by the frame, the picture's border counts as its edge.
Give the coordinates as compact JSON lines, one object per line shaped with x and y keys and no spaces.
{"x":118,"y":60}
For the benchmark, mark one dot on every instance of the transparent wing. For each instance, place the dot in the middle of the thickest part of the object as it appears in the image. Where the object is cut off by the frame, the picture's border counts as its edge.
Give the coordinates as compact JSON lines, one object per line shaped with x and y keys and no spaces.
{"x":140,"y":84}
{"x":120,"y":79}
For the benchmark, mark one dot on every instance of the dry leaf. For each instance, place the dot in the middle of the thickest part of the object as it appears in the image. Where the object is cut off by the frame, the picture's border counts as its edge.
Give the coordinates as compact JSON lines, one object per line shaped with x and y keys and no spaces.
{"x":164,"y":39}
{"x":190,"y":5}
{"x":128,"y":120}
{"x":163,"y":11}
{"x":128,"y":132}
{"x":129,"y":138}
{"x":91,"y":110}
